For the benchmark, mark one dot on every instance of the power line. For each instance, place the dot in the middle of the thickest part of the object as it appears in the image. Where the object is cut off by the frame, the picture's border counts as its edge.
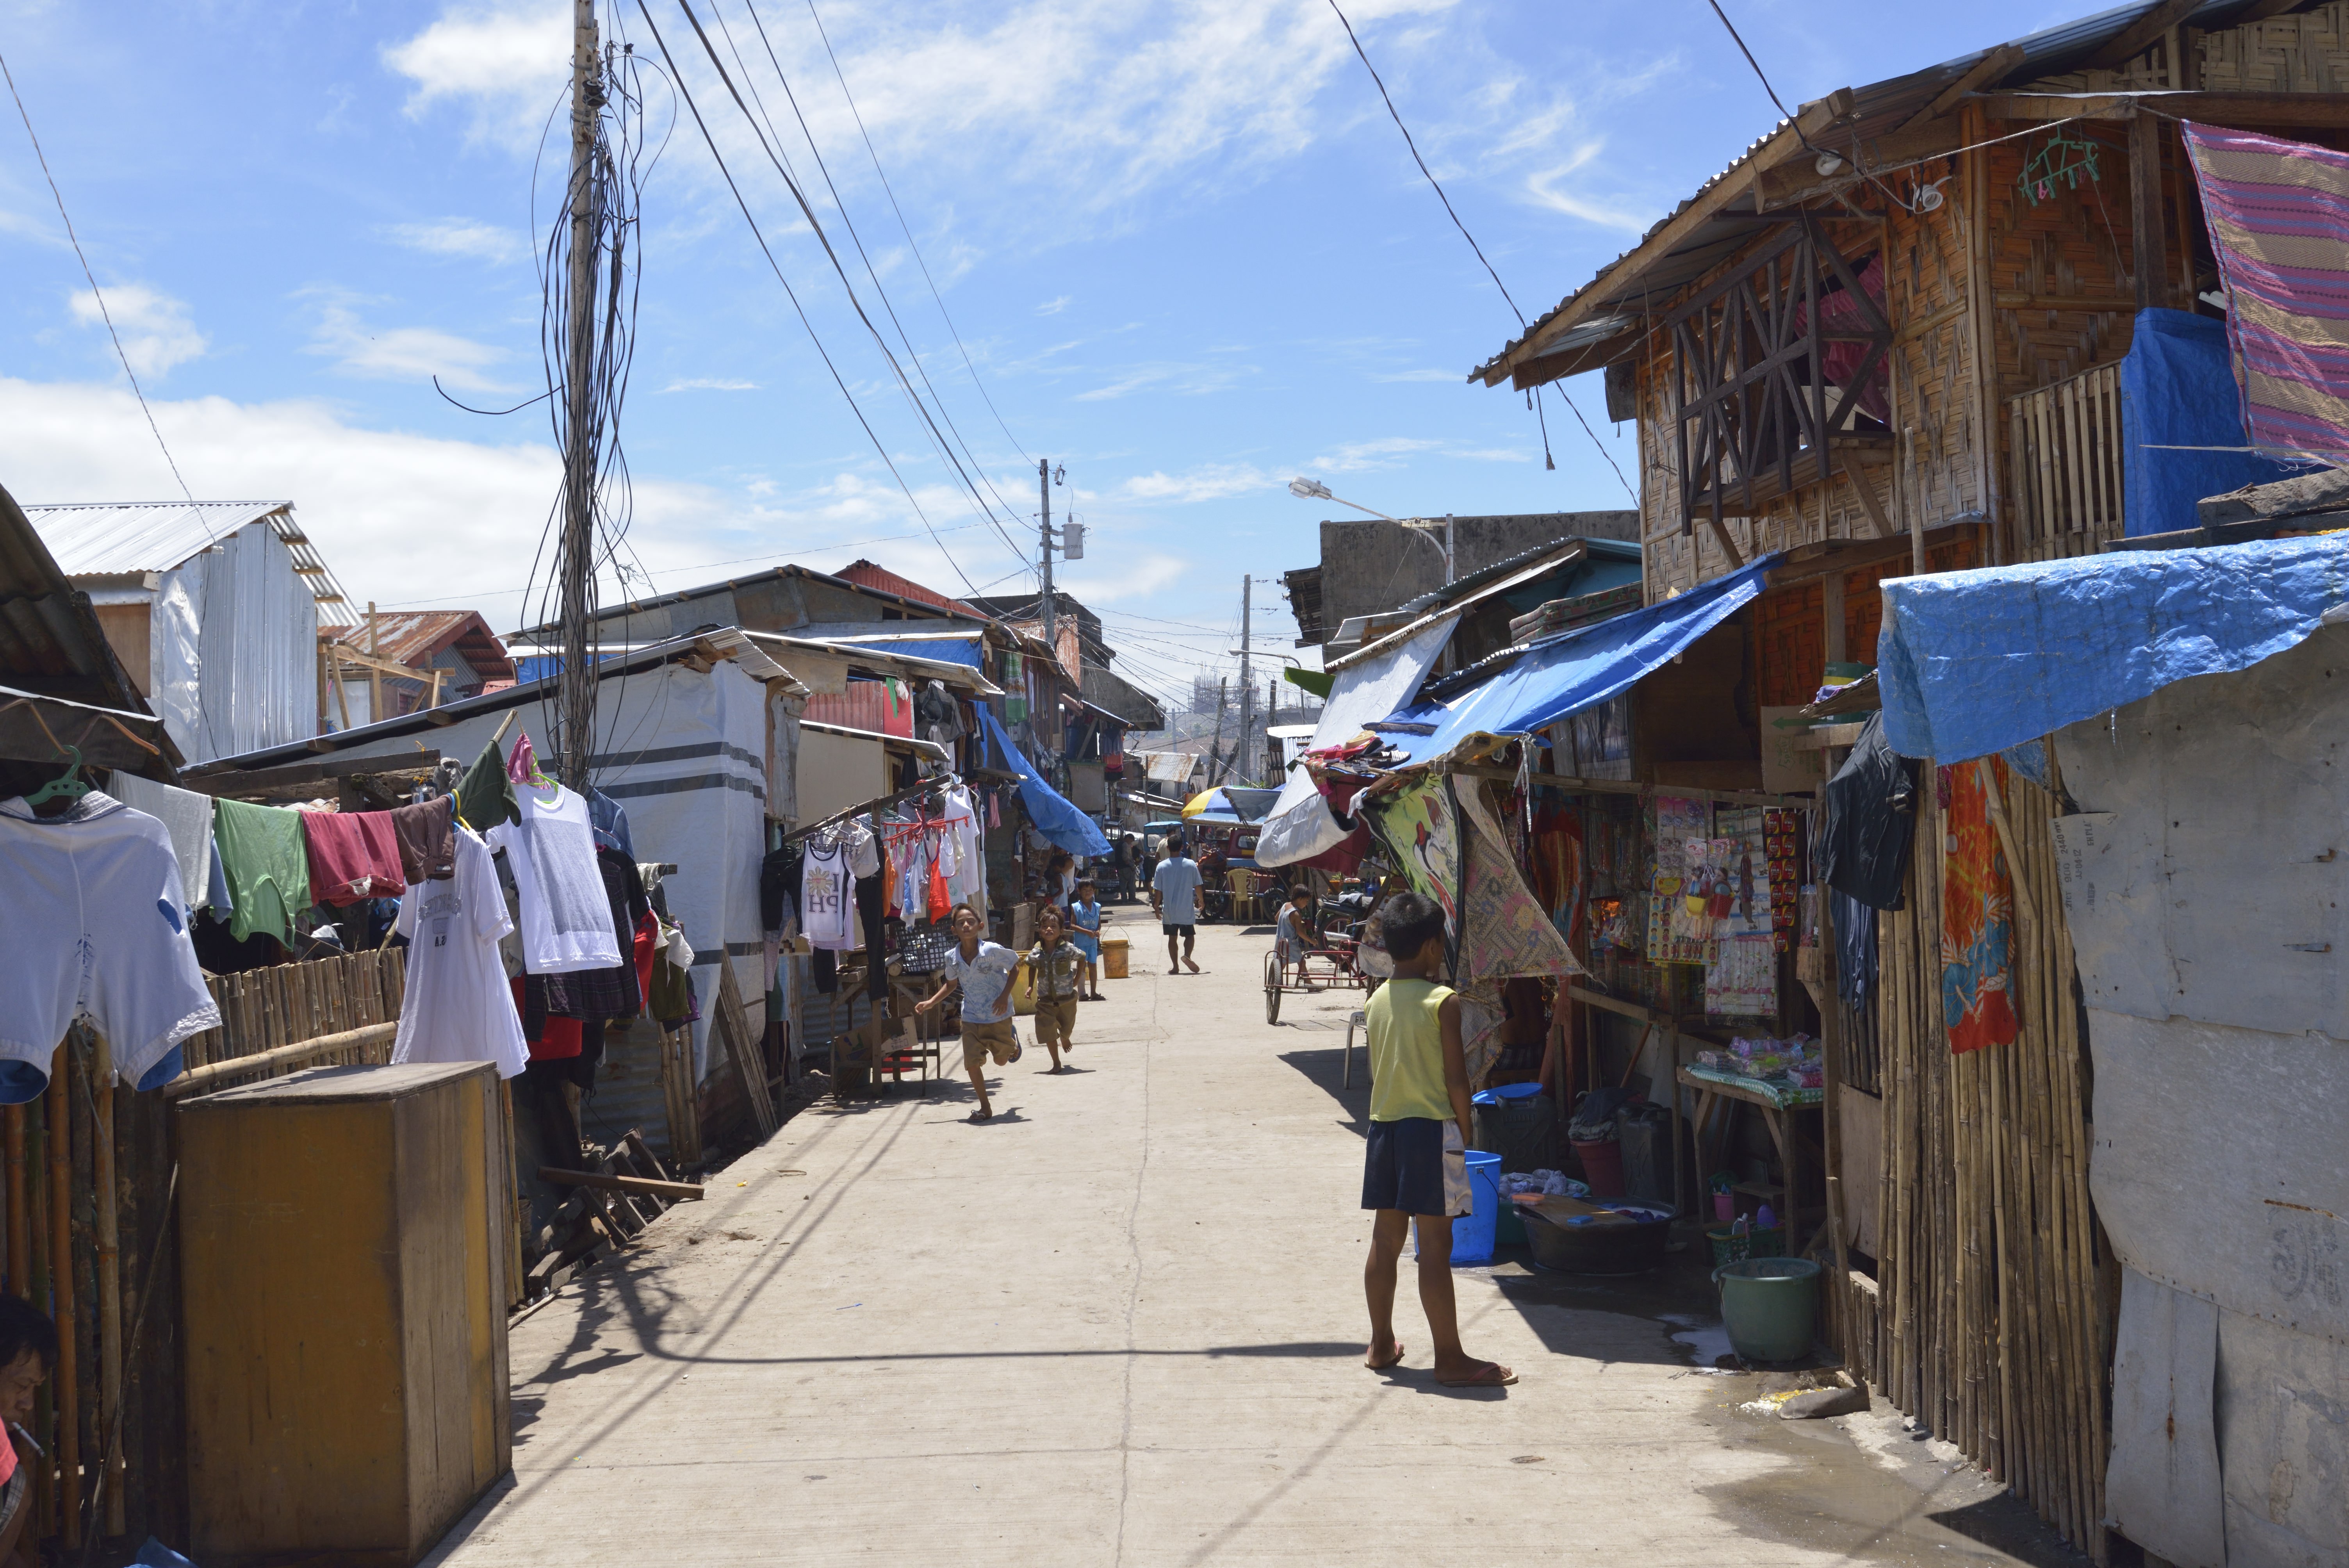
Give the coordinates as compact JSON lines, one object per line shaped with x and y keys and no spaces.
{"x":1437,"y":186}
{"x":909,"y":230}
{"x":842,"y":207}
{"x":807,"y":212}
{"x":95,"y":292}
{"x":711,"y":141}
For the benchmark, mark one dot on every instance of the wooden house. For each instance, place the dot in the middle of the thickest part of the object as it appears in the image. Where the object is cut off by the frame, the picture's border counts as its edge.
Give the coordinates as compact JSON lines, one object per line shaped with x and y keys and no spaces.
{"x":1891,"y":338}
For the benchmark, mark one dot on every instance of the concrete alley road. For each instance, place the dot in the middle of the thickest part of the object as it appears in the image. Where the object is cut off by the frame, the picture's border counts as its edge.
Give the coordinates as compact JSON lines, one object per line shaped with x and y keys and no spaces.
{"x":1122,"y":1324}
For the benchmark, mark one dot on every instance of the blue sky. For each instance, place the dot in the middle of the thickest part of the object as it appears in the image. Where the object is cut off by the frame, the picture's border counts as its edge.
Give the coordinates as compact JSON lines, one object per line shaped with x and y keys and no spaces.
{"x":1185,"y":247}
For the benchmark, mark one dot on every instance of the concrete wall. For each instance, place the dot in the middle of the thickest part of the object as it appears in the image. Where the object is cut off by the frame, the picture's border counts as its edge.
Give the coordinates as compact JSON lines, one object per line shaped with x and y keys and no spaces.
{"x":1371,"y":567}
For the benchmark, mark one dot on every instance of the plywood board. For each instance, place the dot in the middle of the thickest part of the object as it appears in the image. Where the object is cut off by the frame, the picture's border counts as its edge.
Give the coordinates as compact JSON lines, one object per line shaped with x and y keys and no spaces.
{"x":2161,"y":1487}
{"x":1786,"y":768}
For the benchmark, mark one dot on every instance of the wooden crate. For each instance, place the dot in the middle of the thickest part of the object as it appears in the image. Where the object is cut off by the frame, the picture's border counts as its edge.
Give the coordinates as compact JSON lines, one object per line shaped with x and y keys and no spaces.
{"x":343,"y":1261}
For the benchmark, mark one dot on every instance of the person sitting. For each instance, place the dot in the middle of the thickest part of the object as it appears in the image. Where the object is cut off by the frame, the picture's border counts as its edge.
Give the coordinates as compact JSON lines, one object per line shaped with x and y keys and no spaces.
{"x":1293,"y":936}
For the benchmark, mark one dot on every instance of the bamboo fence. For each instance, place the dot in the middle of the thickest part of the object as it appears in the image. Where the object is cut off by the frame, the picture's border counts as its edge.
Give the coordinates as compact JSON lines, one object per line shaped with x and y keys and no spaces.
{"x":87,"y":1189}
{"x":1992,"y":1309}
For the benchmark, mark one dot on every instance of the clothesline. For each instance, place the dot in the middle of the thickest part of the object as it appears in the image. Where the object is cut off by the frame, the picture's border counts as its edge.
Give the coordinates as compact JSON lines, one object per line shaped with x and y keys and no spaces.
{"x":883,"y":804}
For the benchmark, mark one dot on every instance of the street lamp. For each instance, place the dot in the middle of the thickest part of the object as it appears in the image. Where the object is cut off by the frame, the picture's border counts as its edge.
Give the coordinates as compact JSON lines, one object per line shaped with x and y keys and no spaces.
{"x":1304,"y":489}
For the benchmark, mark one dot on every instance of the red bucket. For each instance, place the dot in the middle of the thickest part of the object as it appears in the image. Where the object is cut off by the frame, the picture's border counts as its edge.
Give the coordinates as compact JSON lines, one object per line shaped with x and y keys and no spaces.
{"x":1602,"y":1167}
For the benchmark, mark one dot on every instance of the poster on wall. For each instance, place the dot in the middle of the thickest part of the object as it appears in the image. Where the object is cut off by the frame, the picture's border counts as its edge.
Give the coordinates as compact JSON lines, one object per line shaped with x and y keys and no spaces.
{"x":1677,"y":933}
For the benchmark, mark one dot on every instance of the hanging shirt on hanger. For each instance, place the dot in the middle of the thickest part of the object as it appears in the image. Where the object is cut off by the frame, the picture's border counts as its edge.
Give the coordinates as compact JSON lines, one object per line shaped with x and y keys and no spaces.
{"x":458,"y":1006}
{"x":824,"y":893}
{"x":567,"y":918}
{"x":94,"y":925}
{"x":186,"y":816}
{"x":353,"y":856}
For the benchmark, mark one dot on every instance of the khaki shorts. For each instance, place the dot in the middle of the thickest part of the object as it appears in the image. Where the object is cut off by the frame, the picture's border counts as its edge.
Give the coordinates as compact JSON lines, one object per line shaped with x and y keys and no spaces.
{"x":979,"y":1040}
{"x":1056,"y":1021}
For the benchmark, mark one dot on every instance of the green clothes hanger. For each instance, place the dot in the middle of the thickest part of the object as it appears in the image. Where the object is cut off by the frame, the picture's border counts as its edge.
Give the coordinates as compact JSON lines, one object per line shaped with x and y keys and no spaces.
{"x":65,"y":786}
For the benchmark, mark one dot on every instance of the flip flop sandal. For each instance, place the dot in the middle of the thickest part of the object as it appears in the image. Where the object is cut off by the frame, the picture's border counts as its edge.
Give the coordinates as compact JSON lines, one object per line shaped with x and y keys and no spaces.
{"x":1491,"y":1374}
{"x":1388,"y":1365}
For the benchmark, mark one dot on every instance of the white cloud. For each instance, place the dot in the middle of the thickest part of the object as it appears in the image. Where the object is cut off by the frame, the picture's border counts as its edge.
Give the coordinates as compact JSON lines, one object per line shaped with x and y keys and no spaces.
{"x":459,"y":237}
{"x":1054,"y":307}
{"x":1453,"y":376}
{"x":711,"y":384}
{"x":1356,"y":455}
{"x":155,"y":330}
{"x":1545,"y":187}
{"x":404,"y":353}
{"x":1211,"y":482}
{"x":1133,"y":580}
{"x":508,"y":64}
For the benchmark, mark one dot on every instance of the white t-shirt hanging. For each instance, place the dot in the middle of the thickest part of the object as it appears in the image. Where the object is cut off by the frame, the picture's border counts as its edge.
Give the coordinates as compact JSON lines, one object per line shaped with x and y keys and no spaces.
{"x":567,"y":917}
{"x":864,"y":850}
{"x":827,"y":906}
{"x":458,"y":1006}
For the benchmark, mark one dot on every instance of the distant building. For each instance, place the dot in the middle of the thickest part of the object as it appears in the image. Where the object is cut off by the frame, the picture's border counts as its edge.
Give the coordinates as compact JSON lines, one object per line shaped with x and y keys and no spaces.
{"x":212,"y":607}
{"x":450,"y":655}
{"x":1083,"y":653}
{"x":1371,"y":568}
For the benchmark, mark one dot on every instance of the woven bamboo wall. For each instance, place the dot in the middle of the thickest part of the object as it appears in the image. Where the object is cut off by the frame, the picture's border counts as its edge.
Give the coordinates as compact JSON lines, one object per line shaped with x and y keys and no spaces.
{"x":2304,"y":53}
{"x":1995,"y":1321}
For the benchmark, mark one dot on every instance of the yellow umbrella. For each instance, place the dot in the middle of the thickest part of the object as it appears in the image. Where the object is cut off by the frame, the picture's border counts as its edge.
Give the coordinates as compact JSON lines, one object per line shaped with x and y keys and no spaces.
{"x":1204,"y":801}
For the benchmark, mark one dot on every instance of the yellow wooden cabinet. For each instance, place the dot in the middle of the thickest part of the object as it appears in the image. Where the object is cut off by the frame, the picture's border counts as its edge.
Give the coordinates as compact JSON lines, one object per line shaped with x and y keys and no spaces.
{"x":342,"y":1280}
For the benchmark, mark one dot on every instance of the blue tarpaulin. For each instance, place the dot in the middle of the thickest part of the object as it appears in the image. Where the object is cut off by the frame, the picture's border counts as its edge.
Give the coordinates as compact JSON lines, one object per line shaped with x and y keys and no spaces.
{"x":1054,"y":817}
{"x":945,"y":650}
{"x":2178,"y":390}
{"x":1577,"y":669}
{"x":1974,"y":662}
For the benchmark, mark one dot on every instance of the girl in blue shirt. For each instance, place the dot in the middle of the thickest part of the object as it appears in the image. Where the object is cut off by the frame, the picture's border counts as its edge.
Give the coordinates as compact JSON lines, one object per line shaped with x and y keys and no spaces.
{"x":1084,"y":930}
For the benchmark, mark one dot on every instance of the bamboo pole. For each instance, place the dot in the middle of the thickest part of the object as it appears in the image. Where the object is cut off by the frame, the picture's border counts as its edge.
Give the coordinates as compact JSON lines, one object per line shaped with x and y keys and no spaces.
{"x":110,"y":1266}
{"x":45,"y":1402}
{"x":61,"y":1289}
{"x":20,"y":1230}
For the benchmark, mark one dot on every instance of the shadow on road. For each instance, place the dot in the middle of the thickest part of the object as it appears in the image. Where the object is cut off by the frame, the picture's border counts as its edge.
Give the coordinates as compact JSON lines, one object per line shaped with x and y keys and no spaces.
{"x":1322,"y":1067}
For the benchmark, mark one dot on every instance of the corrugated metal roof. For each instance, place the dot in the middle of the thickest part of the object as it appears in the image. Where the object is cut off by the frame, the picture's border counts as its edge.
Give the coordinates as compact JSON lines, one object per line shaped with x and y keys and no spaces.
{"x":871,"y":574}
{"x":1877,"y":109}
{"x":416,"y":636}
{"x":92,"y":539}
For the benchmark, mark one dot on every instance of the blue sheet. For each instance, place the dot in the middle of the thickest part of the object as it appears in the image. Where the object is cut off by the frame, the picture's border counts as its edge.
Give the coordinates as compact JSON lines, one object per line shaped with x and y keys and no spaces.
{"x":2178,"y":390}
{"x":944,"y":650}
{"x":1974,"y":662}
{"x":1061,"y":822}
{"x":1577,"y":669}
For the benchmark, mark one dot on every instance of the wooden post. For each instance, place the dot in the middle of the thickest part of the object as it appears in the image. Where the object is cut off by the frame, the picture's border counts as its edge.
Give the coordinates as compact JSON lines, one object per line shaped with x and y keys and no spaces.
{"x":1831,"y":612}
{"x":1831,"y":1040}
{"x":59,"y":1106}
{"x":109,"y":1277}
{"x":20,"y":1224}
{"x":375,"y":673}
{"x":2145,"y":238}
{"x":1983,"y":327}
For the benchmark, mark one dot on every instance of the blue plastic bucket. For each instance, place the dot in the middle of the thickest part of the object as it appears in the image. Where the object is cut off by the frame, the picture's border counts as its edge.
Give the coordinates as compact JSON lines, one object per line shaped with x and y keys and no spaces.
{"x":1473,"y":1237}
{"x":1506,"y":1091}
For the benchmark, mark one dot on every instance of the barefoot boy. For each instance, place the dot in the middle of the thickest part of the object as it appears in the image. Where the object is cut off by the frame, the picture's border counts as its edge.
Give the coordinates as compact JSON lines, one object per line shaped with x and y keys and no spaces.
{"x":983,"y":970}
{"x":1056,"y":965}
{"x":1416,"y":1165}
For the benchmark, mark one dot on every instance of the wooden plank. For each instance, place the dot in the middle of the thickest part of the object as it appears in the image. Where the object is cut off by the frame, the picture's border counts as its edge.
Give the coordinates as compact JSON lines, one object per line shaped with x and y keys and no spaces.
{"x":1809,"y":121}
{"x":196,"y":1081}
{"x":1993,"y":65}
{"x":742,"y":1048}
{"x":2147,"y":239}
{"x":2248,"y":110}
{"x":214,"y":780}
{"x":2142,"y":33}
{"x":679,"y":1192}
{"x":1868,"y":499}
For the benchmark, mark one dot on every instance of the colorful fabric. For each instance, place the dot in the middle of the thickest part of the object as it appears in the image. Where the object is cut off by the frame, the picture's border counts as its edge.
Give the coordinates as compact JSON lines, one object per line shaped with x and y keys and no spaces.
{"x":1420,"y":828}
{"x":2279,"y":220}
{"x":1977,"y":914}
{"x":1741,"y":980}
{"x":1782,"y":838}
{"x":1503,"y":932}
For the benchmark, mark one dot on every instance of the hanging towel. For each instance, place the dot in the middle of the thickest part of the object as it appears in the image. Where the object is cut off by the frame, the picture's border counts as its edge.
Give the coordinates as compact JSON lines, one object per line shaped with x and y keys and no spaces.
{"x":353,"y":856}
{"x":187,"y":816}
{"x":268,"y":869}
{"x":427,"y":836}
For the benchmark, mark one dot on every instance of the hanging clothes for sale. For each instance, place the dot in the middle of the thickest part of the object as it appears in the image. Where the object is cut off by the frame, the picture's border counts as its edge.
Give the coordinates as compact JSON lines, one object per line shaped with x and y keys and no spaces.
{"x":779,"y":886}
{"x":825,"y":890}
{"x":567,"y":917}
{"x":458,"y":1006}
{"x":1871,"y":815}
{"x":609,"y":822}
{"x":485,"y":796}
{"x":353,"y":857}
{"x":94,"y":925}
{"x":615,"y":991}
{"x":1976,"y":913}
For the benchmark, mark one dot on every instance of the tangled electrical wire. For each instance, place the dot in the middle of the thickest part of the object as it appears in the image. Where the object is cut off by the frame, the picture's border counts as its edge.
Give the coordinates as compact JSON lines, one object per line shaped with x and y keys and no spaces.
{"x":587,"y":380}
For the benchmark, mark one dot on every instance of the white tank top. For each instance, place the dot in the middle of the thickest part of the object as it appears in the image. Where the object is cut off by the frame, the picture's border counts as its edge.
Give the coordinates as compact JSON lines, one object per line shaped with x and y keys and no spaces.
{"x":827,"y":900}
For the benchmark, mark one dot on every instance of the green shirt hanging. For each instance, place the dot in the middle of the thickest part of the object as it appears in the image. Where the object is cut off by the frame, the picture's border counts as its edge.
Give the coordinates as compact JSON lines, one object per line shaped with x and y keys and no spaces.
{"x":268,"y":869}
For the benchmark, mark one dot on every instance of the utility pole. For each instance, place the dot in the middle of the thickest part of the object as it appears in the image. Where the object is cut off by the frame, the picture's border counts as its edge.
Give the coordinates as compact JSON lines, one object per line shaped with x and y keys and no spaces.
{"x":1215,"y":746}
{"x":576,"y":555}
{"x":1244,"y":749}
{"x":1044,"y":547}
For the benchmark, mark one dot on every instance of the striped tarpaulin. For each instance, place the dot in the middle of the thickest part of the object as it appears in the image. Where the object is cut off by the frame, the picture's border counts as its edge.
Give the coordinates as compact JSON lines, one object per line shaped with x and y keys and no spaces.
{"x":2279,"y":220}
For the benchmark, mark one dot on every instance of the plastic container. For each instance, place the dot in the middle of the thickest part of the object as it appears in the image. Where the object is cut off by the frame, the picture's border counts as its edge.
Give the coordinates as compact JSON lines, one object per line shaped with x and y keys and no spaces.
{"x":1518,"y":1122}
{"x":1724,"y":1206}
{"x":1591,"y":1248}
{"x":1768,"y":1306}
{"x":1729,"y":1248}
{"x":1473,"y":1233}
{"x":1602,"y":1167}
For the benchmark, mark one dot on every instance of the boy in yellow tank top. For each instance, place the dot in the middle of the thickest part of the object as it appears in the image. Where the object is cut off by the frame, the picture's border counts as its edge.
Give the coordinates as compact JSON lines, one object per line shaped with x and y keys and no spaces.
{"x":1414,"y":1164}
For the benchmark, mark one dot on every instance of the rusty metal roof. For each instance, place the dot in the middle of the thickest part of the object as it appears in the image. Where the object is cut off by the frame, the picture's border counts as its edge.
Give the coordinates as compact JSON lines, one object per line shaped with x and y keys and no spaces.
{"x":416,"y":637}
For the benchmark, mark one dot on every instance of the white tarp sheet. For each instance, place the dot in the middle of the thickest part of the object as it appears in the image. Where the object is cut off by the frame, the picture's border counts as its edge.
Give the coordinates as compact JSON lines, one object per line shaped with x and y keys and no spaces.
{"x":1300,"y":826}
